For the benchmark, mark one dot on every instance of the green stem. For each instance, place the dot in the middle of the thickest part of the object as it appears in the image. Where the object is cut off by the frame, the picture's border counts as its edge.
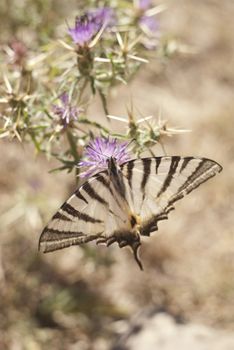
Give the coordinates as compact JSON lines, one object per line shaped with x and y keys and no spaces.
{"x":73,"y":149}
{"x":95,"y":124}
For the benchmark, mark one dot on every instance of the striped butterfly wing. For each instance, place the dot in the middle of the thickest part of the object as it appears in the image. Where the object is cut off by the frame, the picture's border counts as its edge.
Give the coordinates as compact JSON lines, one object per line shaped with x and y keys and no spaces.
{"x":157,"y":183}
{"x":82,"y":218}
{"x":94,"y":212}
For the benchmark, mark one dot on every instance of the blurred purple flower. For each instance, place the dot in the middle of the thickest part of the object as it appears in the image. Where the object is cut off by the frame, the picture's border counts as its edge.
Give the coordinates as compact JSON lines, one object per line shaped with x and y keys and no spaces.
{"x":65,"y":111}
{"x":146,"y":21}
{"x":103,"y":16}
{"x":150,"y":23}
{"x":99,"y":150}
{"x":144,"y":4}
{"x":88,"y":25}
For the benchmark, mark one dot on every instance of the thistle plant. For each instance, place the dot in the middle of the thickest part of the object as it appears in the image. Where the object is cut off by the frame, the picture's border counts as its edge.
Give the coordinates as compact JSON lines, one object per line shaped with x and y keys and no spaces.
{"x":45,"y":95}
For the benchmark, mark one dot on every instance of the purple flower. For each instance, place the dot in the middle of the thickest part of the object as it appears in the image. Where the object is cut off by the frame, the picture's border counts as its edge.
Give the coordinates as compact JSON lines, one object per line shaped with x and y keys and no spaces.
{"x":149,"y":22}
{"x":144,"y":4}
{"x":103,"y":16}
{"x":88,"y":25}
{"x":99,"y":150}
{"x":65,"y":111}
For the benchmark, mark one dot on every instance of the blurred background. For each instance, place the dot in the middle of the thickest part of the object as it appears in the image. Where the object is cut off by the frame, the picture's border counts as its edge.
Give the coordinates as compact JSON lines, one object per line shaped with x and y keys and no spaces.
{"x":98,"y":298}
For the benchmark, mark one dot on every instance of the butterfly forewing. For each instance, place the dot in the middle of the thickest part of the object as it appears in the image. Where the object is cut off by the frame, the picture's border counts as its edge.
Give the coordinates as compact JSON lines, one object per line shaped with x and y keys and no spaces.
{"x":81,"y":218}
{"x":157,"y":183}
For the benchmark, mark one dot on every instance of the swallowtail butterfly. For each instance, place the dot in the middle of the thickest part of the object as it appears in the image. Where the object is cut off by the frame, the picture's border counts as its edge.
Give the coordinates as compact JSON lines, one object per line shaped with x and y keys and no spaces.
{"x":126,"y":202}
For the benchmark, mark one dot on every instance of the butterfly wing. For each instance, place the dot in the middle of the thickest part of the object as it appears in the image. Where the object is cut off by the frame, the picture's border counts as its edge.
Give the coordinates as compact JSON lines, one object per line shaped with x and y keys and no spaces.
{"x":82,"y":218}
{"x":157,"y":183}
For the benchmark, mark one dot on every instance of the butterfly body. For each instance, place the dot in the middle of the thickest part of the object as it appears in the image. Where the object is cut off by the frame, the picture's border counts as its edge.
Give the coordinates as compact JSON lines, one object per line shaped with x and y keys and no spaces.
{"x":125,"y":202}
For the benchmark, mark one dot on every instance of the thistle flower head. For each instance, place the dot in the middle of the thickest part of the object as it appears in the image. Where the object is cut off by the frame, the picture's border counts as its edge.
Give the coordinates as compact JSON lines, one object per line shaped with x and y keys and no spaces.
{"x":100,"y":150}
{"x":144,"y":4}
{"x":88,"y":25}
{"x":103,"y":16}
{"x":65,"y":111}
{"x":149,"y":23}
{"x":146,"y":19}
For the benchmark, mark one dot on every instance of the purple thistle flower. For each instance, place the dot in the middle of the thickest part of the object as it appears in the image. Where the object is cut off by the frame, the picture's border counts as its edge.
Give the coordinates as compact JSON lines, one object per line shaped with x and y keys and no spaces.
{"x":144,"y":4}
{"x":150,"y":23}
{"x":99,"y":150}
{"x":103,"y":16}
{"x":88,"y":25}
{"x":84,"y":30}
{"x":146,"y":21}
{"x":65,"y":111}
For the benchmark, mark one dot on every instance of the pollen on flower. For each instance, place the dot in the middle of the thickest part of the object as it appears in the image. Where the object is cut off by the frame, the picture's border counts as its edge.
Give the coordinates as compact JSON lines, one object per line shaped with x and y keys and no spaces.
{"x":99,"y":150}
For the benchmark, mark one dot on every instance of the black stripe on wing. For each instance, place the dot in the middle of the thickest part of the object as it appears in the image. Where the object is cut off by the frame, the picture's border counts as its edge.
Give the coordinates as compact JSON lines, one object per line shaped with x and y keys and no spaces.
{"x":130,"y":166}
{"x":61,"y":216}
{"x":146,"y":172}
{"x":52,"y":240}
{"x":54,"y":235}
{"x":64,"y":229}
{"x":101,"y":178}
{"x":66,"y":207}
{"x":205,"y":170}
{"x":157,"y":163}
{"x":80,"y":196}
{"x":186,"y":161}
{"x":173,"y":167}
{"x":200,"y":170}
{"x":87,"y":187}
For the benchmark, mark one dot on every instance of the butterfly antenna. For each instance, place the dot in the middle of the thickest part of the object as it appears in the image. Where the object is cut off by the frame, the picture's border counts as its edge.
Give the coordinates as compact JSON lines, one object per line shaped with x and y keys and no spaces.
{"x":135,"y":248}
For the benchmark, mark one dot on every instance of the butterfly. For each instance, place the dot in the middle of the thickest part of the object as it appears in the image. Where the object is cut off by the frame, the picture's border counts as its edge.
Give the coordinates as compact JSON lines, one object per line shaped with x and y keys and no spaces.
{"x":125,"y":202}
